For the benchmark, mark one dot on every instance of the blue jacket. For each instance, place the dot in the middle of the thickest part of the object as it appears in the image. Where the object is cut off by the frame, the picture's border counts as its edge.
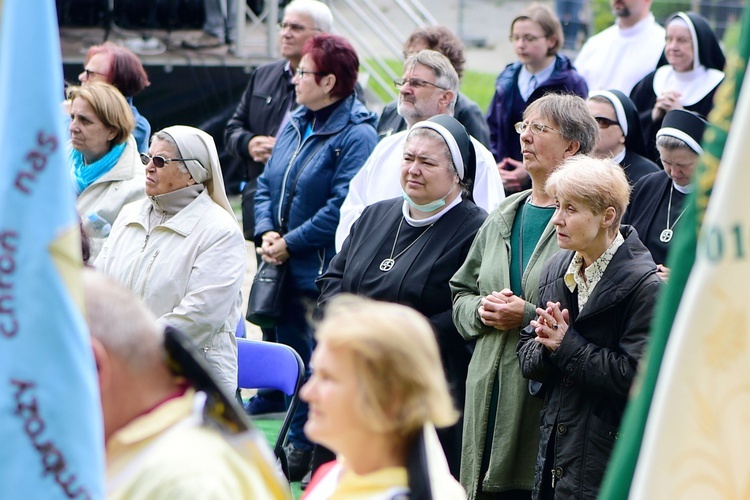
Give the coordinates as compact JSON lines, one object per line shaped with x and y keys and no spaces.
{"x":325,"y":162}
{"x":504,"y":141}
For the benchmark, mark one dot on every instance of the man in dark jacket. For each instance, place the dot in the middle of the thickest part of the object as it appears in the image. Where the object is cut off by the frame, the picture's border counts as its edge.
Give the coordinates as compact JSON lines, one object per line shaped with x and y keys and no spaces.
{"x":267,"y":103}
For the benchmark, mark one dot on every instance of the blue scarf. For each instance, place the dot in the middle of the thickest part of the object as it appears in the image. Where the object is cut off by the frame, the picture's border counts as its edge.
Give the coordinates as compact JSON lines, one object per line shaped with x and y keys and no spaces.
{"x":85,"y":175}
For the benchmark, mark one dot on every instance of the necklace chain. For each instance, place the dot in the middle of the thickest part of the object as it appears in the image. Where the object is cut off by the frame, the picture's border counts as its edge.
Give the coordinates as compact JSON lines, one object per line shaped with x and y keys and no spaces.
{"x":387,"y":264}
{"x":666,"y":235}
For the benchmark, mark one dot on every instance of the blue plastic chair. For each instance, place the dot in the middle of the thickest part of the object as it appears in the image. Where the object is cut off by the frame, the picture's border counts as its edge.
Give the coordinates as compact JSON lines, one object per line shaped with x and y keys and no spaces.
{"x":268,"y":365}
{"x":240,"y":331}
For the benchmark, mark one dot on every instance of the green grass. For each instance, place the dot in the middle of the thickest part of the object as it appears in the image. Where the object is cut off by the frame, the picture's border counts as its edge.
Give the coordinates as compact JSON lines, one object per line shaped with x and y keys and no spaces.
{"x":477,"y":85}
{"x":270,"y":429}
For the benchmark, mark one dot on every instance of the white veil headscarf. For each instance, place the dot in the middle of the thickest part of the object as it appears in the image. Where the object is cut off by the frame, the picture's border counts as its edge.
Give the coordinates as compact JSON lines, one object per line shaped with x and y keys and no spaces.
{"x":205,"y":168}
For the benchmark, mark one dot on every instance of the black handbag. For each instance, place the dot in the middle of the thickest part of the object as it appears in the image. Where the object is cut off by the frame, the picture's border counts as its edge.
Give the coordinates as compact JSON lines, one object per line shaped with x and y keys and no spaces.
{"x":265,"y":304}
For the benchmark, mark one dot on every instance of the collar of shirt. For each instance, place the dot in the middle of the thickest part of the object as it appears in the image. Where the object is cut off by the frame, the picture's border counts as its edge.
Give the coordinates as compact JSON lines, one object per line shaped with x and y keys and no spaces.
{"x":593,"y":273}
{"x":525,"y":85}
{"x":637,"y":28}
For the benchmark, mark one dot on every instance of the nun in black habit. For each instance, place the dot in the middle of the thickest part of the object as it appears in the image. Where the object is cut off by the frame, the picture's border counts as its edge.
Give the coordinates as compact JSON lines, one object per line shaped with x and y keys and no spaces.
{"x":406,"y":250}
{"x":689,"y":79}
{"x":657,"y":201}
{"x":620,"y":134}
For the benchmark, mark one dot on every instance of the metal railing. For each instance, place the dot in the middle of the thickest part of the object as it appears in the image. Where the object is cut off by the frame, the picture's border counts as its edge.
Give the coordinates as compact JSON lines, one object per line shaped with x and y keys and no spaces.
{"x":374,"y":34}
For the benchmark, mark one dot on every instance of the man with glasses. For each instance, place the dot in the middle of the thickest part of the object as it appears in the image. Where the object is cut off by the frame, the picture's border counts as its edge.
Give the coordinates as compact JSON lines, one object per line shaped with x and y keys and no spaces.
{"x":466,"y":111}
{"x":428,"y":88}
{"x":620,"y":136}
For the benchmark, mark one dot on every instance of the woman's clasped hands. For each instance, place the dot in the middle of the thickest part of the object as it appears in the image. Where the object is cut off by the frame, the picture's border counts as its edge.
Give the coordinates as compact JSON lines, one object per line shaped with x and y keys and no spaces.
{"x":273,"y":248}
{"x":502,"y":310}
{"x":551,"y":325}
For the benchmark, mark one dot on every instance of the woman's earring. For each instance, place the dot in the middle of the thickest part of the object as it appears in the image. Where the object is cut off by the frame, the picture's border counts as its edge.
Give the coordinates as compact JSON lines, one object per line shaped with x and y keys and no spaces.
{"x":325,"y":98}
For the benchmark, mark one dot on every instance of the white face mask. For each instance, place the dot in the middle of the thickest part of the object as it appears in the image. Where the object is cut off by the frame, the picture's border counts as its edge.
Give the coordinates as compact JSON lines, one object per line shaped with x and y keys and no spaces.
{"x":427,"y":207}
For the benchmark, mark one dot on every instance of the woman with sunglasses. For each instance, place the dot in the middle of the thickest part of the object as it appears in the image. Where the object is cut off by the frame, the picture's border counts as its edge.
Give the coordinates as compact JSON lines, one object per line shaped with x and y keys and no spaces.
{"x":103,"y":158}
{"x":326,"y":141}
{"x":181,"y":249}
{"x":537,"y":37}
{"x":620,"y":135}
{"x":494,"y":296}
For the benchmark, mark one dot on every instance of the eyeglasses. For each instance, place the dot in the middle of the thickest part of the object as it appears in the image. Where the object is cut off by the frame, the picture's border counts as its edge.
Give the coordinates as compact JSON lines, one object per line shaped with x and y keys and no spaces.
{"x":301,"y":73}
{"x":536,"y":128}
{"x":525,"y":38}
{"x":89,"y":73}
{"x":416,"y":83}
{"x":605,"y":122}
{"x":160,"y":161}
{"x":296,"y":28}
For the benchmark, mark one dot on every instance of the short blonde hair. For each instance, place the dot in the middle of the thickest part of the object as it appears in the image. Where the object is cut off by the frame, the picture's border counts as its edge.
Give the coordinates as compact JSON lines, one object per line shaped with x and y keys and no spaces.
{"x":597,"y":183}
{"x":109,"y":105}
{"x":397,"y":360}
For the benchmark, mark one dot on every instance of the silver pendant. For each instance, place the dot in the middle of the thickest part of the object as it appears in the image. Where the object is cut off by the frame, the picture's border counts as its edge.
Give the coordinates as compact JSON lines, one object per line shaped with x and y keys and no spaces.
{"x":664,"y":237}
{"x":387,"y":265}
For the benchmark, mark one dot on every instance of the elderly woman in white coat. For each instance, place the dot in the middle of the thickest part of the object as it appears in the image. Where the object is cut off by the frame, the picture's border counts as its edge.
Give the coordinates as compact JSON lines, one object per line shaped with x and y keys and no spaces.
{"x":181,"y":249}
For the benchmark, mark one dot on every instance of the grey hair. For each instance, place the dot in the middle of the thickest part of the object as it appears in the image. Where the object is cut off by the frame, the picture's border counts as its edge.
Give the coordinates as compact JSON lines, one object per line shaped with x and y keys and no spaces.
{"x":122,"y":322}
{"x":445,"y":73}
{"x":671,"y":143}
{"x":572,"y":117}
{"x":319,"y":12}
{"x":163,"y":136}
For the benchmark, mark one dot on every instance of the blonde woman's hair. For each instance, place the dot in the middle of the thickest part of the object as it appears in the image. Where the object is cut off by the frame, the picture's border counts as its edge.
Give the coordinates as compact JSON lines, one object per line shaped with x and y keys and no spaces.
{"x":109,"y":105}
{"x":399,"y":372}
{"x":597,"y":183}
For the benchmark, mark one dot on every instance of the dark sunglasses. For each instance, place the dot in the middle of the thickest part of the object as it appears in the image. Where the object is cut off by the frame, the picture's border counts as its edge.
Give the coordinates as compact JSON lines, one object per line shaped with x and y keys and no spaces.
{"x":605,"y":122}
{"x":160,"y":161}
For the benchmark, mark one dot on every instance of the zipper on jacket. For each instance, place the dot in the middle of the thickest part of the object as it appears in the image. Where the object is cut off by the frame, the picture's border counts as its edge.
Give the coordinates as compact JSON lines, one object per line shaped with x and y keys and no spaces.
{"x":148,"y":273}
{"x":145,"y":241}
{"x":322,"y":261}
{"x":286,"y":175}
{"x":302,"y":168}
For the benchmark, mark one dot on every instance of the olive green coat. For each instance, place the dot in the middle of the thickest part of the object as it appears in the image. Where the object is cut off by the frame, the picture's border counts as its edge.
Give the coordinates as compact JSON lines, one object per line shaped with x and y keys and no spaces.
{"x":516,"y":437}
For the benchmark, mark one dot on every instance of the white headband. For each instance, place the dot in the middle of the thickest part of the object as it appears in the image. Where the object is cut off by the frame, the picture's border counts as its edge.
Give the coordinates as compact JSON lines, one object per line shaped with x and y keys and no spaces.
{"x":458,"y":161}
{"x":679,"y":134}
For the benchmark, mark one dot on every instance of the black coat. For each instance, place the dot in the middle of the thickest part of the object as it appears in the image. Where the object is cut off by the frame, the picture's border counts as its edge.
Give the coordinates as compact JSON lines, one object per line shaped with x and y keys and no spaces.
{"x":644,"y":98}
{"x":587,"y":379}
{"x":260,"y":112}
{"x":466,"y":111}
{"x":636,"y":166}
{"x":648,"y":195}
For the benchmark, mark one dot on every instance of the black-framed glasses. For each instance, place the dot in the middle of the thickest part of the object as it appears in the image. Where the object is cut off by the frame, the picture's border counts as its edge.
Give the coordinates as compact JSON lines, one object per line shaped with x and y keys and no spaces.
{"x":301,"y":73}
{"x":160,"y":161}
{"x":89,"y":73}
{"x":535,"y":127}
{"x":525,"y":38}
{"x":416,"y":83}
{"x":605,"y":122}
{"x":294,"y":27}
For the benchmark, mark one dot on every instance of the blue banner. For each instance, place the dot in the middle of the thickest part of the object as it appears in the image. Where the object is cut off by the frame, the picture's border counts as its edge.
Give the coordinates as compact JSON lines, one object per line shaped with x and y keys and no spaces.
{"x":50,"y":420}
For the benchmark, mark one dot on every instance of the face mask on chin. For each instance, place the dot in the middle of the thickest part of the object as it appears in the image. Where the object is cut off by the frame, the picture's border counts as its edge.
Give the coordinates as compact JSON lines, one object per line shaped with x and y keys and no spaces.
{"x":427,"y":207}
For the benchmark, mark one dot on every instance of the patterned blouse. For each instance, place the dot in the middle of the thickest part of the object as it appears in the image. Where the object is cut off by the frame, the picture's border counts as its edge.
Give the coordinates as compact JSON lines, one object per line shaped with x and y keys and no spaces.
{"x":587,"y":280}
